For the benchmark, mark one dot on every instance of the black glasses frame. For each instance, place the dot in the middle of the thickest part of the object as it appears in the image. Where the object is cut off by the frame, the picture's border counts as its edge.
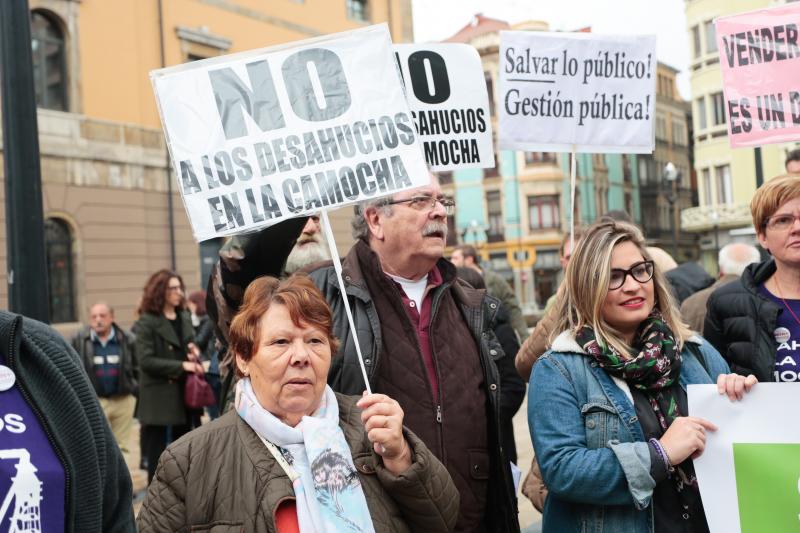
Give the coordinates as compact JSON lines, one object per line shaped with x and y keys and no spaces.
{"x":629,"y":272}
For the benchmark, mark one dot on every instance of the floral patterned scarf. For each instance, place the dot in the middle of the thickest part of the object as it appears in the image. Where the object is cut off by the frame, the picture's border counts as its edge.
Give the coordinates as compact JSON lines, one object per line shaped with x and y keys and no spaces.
{"x":655,"y":368}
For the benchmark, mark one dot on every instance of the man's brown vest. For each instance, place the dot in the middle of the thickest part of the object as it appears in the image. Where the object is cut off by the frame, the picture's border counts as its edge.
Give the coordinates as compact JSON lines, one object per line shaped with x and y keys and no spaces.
{"x":453,"y":426}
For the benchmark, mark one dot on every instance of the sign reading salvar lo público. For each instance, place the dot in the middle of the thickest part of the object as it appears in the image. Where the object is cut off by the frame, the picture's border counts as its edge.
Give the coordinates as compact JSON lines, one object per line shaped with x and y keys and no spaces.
{"x":760,"y":61}
{"x":447,"y":94}
{"x":260,"y":136}
{"x":590,"y":93}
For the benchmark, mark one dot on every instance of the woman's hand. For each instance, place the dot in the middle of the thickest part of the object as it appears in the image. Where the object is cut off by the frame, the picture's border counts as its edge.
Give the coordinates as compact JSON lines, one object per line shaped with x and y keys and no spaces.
{"x":194,"y":352}
{"x":192,"y":366}
{"x":686,"y":437}
{"x":735,"y":385}
{"x":383,"y":420}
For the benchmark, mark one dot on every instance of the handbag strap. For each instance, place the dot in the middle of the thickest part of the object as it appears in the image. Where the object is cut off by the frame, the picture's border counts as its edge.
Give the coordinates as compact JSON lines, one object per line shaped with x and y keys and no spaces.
{"x":280,"y":458}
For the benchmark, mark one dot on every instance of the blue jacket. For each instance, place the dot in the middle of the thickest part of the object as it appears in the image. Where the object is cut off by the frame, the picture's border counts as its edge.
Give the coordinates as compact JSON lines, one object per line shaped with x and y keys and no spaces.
{"x":589,"y":443}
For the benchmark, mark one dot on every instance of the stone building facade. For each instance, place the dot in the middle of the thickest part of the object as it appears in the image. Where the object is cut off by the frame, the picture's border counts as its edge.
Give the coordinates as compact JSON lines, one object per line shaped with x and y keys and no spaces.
{"x":112,"y":211}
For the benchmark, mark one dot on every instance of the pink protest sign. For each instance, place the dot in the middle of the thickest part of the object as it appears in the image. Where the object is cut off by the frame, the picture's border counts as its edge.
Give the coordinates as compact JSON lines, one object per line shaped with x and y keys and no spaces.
{"x":759,"y":52}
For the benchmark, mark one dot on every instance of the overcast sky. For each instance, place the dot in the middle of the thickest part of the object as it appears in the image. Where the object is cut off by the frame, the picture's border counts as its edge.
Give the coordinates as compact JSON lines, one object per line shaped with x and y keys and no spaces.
{"x":435,"y":20}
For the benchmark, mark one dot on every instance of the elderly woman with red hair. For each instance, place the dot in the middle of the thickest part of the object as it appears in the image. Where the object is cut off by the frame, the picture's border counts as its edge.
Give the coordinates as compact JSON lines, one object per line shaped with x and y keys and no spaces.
{"x":294,"y":455}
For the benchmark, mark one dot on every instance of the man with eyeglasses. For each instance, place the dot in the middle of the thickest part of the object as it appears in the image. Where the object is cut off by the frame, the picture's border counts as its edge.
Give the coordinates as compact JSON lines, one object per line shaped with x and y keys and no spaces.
{"x":427,"y":342}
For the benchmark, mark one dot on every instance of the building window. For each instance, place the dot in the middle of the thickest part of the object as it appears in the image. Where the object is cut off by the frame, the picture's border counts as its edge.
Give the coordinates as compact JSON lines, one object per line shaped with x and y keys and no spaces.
{"x":724,"y":187}
{"x":678,"y":132}
{"x":545,"y":275}
{"x":626,"y":168}
{"x":709,"y":200}
{"x":661,"y":128}
{"x":445,"y":177}
{"x":543,"y":212}
{"x":598,"y":160}
{"x":601,"y":199}
{"x":60,"y":278}
{"x":493,"y":171}
{"x":452,"y":234}
{"x":494,"y":208}
{"x":702,"y":123}
{"x":490,"y":91}
{"x":49,"y":62}
{"x":209,"y":255}
{"x":696,"y":41}
{"x":534,"y":158}
{"x":645,"y":165}
{"x":711,"y":37}
{"x":357,"y":10}
{"x":719,"y":108}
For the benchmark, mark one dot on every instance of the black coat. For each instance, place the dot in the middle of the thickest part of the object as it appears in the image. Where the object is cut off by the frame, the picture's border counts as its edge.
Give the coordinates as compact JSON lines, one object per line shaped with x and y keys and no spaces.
{"x":687,"y":279}
{"x":740,"y":323}
{"x":161,"y":376}
{"x":513,"y":390}
{"x":55,"y":385}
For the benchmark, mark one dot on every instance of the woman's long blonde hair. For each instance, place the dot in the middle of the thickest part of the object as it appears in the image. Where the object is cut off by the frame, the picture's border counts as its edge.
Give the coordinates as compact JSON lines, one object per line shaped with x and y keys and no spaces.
{"x":581,"y":295}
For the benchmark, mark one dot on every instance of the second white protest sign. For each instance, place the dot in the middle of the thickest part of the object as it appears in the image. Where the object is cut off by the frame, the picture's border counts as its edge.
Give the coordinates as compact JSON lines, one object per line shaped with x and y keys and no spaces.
{"x":449,"y":101}
{"x":260,"y":136}
{"x":580,"y":92}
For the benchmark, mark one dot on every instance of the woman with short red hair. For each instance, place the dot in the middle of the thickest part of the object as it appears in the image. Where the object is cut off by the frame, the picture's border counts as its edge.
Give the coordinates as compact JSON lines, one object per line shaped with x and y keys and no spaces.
{"x":294,"y":455}
{"x":754,"y":321}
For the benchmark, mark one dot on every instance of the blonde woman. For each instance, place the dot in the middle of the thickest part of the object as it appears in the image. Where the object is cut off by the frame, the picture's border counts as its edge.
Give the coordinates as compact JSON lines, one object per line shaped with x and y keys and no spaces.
{"x":607,"y":404}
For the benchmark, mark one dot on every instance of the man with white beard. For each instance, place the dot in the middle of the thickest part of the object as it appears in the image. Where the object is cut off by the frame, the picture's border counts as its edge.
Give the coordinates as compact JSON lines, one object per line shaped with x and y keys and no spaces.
{"x":309,"y":249}
{"x":427,"y":341}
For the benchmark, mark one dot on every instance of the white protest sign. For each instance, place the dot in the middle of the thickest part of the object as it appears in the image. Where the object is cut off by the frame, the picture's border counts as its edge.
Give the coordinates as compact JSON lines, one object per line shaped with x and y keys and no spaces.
{"x":562,"y":92}
{"x":749,"y":473}
{"x":280,"y":132}
{"x":446,"y":91}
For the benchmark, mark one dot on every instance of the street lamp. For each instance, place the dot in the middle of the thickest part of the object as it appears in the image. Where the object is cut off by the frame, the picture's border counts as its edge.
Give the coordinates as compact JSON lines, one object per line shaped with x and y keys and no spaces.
{"x":671,"y":176}
{"x":473,"y":227}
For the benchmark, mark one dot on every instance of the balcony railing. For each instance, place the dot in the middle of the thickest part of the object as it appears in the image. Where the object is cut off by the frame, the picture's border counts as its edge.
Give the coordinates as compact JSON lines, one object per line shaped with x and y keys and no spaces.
{"x":707,"y":217}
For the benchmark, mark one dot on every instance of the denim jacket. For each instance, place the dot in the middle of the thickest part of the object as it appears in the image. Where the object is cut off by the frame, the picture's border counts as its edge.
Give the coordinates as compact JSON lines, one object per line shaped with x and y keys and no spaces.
{"x":589,"y":443}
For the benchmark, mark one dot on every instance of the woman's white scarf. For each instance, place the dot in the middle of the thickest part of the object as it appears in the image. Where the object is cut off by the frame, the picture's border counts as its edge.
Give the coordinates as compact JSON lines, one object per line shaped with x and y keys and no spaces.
{"x":328,"y":491}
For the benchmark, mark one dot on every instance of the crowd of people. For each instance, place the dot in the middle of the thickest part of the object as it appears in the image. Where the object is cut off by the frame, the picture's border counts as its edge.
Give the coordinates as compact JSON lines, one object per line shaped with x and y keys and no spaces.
{"x":297,"y":441}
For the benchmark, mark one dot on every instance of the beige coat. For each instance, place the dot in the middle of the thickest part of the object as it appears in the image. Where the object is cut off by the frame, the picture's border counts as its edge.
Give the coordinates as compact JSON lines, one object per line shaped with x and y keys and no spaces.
{"x":693,"y":308}
{"x":222,"y":478}
{"x":534,"y":346}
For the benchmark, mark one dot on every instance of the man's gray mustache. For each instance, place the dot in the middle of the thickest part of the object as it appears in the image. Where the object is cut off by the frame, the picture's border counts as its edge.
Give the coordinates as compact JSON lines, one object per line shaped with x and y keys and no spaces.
{"x":435,"y":227}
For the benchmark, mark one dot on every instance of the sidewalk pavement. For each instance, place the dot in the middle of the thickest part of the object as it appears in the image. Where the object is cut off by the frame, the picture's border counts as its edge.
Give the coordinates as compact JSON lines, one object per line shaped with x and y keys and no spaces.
{"x":138,"y":476}
{"x":529,"y":517}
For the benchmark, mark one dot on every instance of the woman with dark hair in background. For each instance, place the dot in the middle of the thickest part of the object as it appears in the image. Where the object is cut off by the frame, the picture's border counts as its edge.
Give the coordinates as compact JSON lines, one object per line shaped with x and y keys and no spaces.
{"x":166,"y":351}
